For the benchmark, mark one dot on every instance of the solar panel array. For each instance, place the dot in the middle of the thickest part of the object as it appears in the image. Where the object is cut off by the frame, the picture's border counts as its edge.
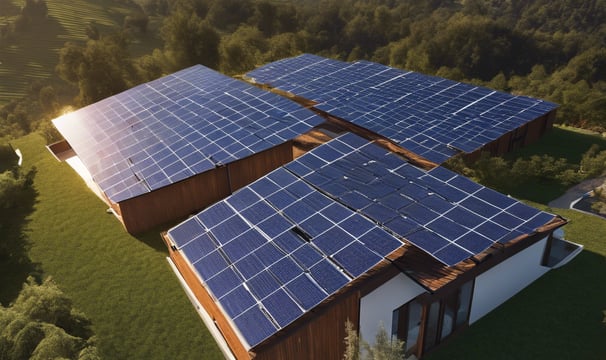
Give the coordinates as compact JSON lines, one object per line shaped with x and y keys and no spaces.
{"x":447,"y":215}
{"x":431,"y":116}
{"x":177,"y":126}
{"x":278,"y":247}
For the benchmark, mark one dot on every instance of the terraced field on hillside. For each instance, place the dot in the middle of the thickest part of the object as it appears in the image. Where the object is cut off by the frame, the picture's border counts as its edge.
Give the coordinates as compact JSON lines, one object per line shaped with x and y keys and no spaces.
{"x":34,"y":54}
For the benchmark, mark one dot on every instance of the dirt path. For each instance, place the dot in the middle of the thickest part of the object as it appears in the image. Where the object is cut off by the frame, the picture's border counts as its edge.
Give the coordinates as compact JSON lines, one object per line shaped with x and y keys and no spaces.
{"x":575,"y":192}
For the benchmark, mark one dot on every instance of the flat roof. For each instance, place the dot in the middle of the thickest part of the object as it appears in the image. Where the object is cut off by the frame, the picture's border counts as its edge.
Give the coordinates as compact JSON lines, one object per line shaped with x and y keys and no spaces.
{"x":433,"y":117}
{"x":175,"y":127}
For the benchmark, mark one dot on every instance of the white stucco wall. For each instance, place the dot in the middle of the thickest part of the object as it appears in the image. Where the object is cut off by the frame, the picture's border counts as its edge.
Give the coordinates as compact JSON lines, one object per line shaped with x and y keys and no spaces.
{"x":503,"y":281}
{"x":379,"y":305}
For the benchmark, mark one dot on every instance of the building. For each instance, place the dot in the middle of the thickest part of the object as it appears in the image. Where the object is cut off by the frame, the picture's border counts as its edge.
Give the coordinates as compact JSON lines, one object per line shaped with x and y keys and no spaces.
{"x":165,"y":149}
{"x":352,"y":231}
{"x":428,"y":116}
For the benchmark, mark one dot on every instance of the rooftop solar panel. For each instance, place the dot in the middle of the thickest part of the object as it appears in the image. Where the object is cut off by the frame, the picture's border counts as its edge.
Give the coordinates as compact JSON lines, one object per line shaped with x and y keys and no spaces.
{"x":432,"y":209}
{"x":281,"y":245}
{"x":175,"y":127}
{"x":302,"y":241}
{"x":381,"y":99}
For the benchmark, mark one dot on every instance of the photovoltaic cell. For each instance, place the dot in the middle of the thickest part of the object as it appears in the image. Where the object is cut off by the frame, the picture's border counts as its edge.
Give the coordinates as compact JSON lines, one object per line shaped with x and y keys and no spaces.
{"x":172,"y":128}
{"x":433,"y":117}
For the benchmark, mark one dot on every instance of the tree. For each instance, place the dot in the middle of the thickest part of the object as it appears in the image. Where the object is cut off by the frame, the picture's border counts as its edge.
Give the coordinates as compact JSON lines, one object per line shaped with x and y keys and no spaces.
{"x":189,"y":40}
{"x":100,"y":69}
{"x":34,"y":327}
{"x":242,"y":50}
{"x":382,"y":349}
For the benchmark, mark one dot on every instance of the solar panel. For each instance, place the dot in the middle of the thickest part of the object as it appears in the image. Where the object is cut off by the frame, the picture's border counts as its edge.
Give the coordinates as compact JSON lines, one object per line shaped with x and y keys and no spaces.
{"x":431,"y":209}
{"x":382,"y":99}
{"x":287,"y":240}
{"x":172,"y":128}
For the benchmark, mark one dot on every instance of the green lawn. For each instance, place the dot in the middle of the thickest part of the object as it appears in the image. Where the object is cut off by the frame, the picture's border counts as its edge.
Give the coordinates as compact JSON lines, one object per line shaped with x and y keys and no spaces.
{"x":124,"y":284}
{"x":560,"y":142}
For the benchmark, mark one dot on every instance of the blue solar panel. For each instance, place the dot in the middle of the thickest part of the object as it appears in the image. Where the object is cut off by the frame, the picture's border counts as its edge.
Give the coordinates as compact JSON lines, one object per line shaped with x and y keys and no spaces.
{"x":297,"y":246}
{"x":254,"y":326}
{"x":263,"y":284}
{"x":328,"y":277}
{"x":281,"y":307}
{"x":305,"y":291}
{"x":356,"y":259}
{"x":377,"y":97}
{"x":184,"y":124}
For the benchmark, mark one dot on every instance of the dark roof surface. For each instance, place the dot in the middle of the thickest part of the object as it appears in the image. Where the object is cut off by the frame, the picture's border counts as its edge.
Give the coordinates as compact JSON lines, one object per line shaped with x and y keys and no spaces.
{"x":178,"y":126}
{"x":433,"y":117}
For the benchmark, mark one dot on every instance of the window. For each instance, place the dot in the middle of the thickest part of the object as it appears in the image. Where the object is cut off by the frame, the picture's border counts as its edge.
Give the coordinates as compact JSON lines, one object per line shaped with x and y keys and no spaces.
{"x":446,"y":315}
{"x":406,"y":323}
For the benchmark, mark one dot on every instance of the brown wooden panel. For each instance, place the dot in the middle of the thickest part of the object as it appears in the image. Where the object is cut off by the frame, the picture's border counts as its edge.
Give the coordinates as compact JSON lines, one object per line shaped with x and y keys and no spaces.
{"x":175,"y":201}
{"x":247,"y":170}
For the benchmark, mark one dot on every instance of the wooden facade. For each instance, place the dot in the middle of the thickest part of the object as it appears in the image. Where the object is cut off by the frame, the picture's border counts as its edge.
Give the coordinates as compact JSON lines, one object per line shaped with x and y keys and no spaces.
{"x":526,"y":134}
{"x":188,"y":196}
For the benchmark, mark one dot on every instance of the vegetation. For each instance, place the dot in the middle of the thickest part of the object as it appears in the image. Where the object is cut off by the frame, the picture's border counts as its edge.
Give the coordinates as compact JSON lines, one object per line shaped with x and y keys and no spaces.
{"x":43,"y":324}
{"x":383,"y":347}
{"x":549,"y":319}
{"x":51,"y":60}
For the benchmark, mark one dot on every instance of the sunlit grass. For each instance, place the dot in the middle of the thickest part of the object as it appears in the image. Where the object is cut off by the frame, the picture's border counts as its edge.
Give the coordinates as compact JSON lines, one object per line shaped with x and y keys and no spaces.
{"x":122,"y":283}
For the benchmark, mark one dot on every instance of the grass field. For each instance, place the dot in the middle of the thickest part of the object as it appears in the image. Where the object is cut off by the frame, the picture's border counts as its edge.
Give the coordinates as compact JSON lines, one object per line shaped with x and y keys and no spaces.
{"x":34,"y":54}
{"x":122,"y":283}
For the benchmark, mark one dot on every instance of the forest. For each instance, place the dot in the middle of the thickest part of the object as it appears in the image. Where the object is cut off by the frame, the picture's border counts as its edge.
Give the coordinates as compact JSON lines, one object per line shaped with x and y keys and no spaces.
{"x":553,"y":50}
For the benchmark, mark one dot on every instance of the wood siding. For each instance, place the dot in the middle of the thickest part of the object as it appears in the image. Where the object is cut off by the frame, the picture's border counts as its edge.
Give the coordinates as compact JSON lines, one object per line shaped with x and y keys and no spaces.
{"x":247,"y":170}
{"x":320,"y":334}
{"x":183,"y":198}
{"x":524,"y":135}
{"x":174,"y":201}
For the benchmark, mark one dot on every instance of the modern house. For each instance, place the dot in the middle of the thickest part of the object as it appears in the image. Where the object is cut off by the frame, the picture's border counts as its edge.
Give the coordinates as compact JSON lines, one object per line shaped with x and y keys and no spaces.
{"x":352,"y":231}
{"x":428,"y":116}
{"x":165,"y":149}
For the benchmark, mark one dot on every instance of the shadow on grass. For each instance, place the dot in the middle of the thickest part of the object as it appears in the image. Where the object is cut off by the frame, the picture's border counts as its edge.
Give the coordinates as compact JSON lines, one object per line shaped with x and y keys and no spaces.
{"x":558,"y":317}
{"x":153,"y":239}
{"x":15,"y":265}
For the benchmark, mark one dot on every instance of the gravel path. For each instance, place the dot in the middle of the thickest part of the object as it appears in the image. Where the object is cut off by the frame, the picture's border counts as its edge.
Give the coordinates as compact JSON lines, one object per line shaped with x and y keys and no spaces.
{"x":575,"y":192}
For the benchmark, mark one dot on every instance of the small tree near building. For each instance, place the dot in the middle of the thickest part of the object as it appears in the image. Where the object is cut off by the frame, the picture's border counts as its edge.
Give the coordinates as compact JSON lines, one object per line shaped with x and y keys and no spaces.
{"x":383,"y":348}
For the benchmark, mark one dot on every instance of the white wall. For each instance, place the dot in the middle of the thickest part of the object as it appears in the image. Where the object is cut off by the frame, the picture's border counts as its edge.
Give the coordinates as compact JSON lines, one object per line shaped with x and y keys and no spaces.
{"x":379,"y":305}
{"x":503,"y":281}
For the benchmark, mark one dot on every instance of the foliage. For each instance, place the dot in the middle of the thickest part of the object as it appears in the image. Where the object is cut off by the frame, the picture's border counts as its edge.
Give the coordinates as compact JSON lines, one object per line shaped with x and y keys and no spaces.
{"x":42,"y":324}
{"x":352,"y":342}
{"x":100,"y":69}
{"x":383,"y":347}
{"x":189,"y":40}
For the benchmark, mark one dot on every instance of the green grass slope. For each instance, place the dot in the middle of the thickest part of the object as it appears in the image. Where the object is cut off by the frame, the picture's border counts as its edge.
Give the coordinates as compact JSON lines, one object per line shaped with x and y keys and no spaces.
{"x":124,"y":284}
{"x":33,"y":55}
